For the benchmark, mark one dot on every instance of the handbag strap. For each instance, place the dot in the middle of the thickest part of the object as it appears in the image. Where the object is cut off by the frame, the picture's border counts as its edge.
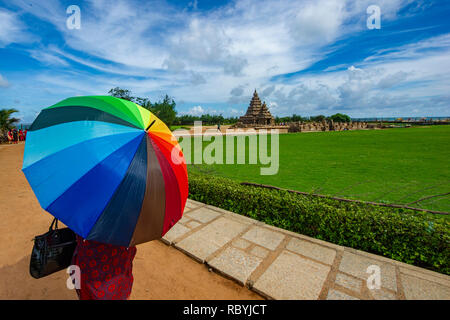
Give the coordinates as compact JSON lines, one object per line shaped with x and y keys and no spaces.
{"x":54,"y":222}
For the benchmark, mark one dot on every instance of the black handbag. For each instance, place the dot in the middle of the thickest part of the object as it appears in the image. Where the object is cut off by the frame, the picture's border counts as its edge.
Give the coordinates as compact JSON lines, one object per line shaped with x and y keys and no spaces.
{"x":52,"y":251}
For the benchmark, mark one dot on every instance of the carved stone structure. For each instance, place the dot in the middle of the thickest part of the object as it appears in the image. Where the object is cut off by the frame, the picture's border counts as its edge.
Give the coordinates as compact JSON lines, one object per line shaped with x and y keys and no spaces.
{"x":257,"y":114}
{"x":330,"y":126}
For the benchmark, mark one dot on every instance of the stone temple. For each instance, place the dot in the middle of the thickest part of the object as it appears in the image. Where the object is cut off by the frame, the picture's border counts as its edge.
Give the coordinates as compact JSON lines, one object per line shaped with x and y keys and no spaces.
{"x":257,"y":114}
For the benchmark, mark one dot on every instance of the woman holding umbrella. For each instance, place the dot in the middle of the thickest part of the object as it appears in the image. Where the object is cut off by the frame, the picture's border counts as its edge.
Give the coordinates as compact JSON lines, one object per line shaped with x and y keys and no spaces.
{"x":106,"y":270}
{"x":112,"y":172}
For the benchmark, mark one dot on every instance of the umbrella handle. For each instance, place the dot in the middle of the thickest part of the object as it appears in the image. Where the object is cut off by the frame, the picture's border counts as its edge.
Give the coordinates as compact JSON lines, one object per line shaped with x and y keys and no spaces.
{"x":54,"y":222}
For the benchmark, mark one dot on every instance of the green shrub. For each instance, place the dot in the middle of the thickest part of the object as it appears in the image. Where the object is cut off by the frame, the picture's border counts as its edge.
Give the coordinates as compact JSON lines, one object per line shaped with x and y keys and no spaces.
{"x":404,"y":235}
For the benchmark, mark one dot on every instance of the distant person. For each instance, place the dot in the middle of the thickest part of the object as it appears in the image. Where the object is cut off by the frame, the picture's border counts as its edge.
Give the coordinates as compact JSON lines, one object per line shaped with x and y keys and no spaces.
{"x":10,"y":136}
{"x":25,"y":135}
{"x":218,"y":127}
{"x":106,"y":270}
{"x":20,"y":135}
{"x":15,"y":136}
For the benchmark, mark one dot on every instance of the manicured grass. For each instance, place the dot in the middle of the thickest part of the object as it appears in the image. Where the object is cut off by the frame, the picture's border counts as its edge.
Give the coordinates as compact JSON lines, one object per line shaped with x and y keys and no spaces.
{"x":173,"y":128}
{"x":392,"y":165}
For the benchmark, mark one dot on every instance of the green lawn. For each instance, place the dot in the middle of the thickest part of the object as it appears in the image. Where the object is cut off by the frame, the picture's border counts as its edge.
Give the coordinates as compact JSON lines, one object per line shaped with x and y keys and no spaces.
{"x":391,"y":166}
{"x":173,"y":128}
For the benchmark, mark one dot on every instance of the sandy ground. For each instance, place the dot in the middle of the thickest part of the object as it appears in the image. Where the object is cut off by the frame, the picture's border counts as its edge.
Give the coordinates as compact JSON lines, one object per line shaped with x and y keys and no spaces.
{"x":160,"y":272}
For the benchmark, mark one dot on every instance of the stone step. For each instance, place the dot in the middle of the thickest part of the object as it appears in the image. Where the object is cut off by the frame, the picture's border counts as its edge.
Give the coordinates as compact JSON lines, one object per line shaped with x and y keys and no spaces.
{"x":279,"y":264}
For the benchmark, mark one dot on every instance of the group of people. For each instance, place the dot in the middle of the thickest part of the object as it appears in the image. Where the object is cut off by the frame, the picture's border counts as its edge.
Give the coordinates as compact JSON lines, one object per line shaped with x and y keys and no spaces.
{"x":14,"y":135}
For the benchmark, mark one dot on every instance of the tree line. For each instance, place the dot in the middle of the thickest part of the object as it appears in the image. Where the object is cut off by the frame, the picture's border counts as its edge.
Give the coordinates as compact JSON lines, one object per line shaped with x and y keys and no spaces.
{"x":338,"y":117}
{"x":165,"y":110}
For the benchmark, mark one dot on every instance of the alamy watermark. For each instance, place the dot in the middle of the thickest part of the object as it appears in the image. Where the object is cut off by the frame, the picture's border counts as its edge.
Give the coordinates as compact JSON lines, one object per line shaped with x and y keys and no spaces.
{"x":74,"y":280}
{"x":374,"y":20}
{"x":229,"y":147}
{"x":374,"y":280}
{"x":74,"y":20}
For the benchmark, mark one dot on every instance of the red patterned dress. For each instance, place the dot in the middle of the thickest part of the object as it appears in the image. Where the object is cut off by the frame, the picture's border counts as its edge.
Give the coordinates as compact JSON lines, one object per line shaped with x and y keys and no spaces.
{"x":106,"y":270}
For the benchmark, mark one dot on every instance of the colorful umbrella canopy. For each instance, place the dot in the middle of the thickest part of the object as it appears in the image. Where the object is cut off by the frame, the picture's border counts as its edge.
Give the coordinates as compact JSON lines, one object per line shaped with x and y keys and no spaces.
{"x":107,"y":168}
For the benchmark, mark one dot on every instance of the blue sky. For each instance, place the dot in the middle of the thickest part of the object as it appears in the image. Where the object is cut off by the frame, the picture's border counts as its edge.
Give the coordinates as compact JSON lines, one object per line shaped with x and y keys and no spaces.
{"x":305,"y":57}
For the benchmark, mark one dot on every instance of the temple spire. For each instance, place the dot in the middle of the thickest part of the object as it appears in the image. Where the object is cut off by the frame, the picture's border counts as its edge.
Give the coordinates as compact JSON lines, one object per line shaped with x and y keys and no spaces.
{"x":257,"y":113}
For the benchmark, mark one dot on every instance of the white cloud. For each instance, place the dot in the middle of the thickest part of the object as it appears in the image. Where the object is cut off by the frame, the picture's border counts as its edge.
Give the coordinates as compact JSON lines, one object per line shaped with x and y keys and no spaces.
{"x":47,"y":57}
{"x":392,"y":80}
{"x":174,"y":65}
{"x":238,"y":91}
{"x":197,"y":78}
{"x":12,"y":29}
{"x":384,"y":89}
{"x":354,"y":69}
{"x":3,"y":82}
{"x":200,"y":110}
{"x":196,"y":111}
{"x":412,"y":50}
{"x":235,"y":112}
{"x":318,"y":21}
{"x":237,"y":94}
{"x":223,"y":54}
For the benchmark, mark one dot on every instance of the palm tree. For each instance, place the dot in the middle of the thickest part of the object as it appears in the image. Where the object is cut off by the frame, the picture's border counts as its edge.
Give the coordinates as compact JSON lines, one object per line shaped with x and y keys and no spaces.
{"x":6,"y":121}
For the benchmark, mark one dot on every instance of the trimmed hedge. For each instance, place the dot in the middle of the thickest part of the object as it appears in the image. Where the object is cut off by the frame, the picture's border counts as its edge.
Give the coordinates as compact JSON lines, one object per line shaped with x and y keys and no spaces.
{"x":404,"y":235}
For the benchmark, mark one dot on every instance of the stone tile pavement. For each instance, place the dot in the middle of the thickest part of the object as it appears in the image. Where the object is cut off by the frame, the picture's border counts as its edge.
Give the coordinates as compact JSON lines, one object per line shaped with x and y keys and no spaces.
{"x":280,"y":264}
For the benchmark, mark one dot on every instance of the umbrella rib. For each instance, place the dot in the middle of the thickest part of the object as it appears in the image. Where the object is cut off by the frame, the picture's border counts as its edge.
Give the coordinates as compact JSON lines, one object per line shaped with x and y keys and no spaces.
{"x":150,"y":125}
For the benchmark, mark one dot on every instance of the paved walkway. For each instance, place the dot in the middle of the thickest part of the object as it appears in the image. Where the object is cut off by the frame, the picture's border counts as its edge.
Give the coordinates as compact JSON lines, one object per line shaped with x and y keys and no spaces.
{"x":280,"y":264}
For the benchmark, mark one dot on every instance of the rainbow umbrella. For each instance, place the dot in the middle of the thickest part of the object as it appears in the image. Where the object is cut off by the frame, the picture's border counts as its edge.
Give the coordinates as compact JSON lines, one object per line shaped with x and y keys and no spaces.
{"x":107,"y":168}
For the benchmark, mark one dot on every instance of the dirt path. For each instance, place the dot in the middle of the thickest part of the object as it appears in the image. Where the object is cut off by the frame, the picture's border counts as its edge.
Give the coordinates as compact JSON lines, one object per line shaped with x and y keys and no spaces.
{"x":160,"y":272}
